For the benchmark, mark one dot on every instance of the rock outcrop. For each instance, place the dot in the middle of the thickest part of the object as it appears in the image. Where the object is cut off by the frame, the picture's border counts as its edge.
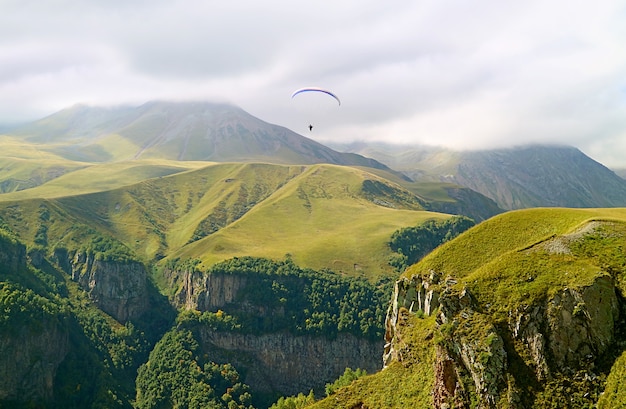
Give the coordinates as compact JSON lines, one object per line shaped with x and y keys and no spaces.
{"x":280,"y":361}
{"x":207,"y":292}
{"x":117,"y":288}
{"x":410,"y":295}
{"x":567,"y":332}
{"x":570,"y":330}
{"x":29,"y":358}
{"x":289,"y":364}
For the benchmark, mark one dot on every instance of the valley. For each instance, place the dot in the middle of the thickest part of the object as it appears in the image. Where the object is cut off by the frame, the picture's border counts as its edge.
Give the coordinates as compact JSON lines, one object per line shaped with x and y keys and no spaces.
{"x":191,"y":255}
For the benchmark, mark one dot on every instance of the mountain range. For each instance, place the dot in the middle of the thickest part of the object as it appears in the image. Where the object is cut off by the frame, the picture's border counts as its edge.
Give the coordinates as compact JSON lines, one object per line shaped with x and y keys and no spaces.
{"x":515,"y":178}
{"x":181,"y":254}
{"x":185,"y":131}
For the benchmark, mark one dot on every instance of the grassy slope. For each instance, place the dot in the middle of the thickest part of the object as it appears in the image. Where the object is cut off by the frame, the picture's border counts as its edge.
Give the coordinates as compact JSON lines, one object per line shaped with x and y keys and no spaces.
{"x":102,"y":177}
{"x":41,"y":171}
{"x":494,"y":259}
{"x":435,"y":191}
{"x":315,"y":213}
{"x":400,"y":385}
{"x":320,"y":219}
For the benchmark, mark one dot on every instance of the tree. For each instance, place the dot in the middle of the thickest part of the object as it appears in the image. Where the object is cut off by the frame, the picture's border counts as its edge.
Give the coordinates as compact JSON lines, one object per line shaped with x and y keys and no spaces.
{"x":413,"y":243}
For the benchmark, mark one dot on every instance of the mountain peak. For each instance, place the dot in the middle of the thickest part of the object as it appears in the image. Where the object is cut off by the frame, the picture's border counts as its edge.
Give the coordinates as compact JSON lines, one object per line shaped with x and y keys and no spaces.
{"x":189,"y":130}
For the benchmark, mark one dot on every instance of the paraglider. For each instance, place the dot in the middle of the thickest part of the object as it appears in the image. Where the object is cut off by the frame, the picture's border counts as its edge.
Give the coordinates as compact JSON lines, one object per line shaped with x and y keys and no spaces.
{"x":316,"y":89}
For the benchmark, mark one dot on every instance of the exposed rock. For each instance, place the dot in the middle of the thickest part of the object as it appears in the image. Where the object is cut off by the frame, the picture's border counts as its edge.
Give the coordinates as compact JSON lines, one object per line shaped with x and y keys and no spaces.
{"x":29,"y":358}
{"x":571,"y":329}
{"x":289,"y":364}
{"x":475,"y":346}
{"x":270,"y":362}
{"x":528,"y":326}
{"x":414,"y":294}
{"x":582,"y":323}
{"x":448,"y":391}
{"x":208,"y":292}
{"x":117,"y":288}
{"x":566,"y":333}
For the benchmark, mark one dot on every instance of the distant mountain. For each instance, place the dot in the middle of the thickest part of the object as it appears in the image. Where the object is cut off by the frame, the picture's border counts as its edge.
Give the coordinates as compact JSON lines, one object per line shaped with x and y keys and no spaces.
{"x":515,"y":178}
{"x":177,"y":131}
{"x":621,"y":172}
{"x":62,"y":152}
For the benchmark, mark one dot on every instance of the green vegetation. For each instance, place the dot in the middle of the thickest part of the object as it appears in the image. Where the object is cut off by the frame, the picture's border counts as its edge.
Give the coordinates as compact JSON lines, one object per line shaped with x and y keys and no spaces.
{"x":337,"y":226}
{"x":38,"y":175}
{"x":325,"y":216}
{"x":298,"y":300}
{"x":106,"y":248}
{"x":344,"y":380}
{"x":100,"y":365}
{"x":302,"y":401}
{"x":413,"y":243}
{"x":319,"y":217}
{"x":406,"y":384}
{"x":508,"y":263}
{"x":22,"y":306}
{"x":294,"y":402}
{"x":175,"y":376}
{"x":614,"y":394}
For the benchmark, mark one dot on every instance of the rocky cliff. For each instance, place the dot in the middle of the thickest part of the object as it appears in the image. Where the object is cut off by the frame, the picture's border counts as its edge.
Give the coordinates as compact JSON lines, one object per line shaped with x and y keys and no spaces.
{"x":117,"y":288}
{"x":539,"y":326}
{"x":278,"y":361}
{"x":33,"y":340}
{"x":499,"y":363}
{"x":289,"y":364}
{"x":29,"y":358}
{"x":207,"y":292}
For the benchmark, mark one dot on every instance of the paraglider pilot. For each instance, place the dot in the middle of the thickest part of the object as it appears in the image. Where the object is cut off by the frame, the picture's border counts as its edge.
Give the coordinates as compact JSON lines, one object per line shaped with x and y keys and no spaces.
{"x":310,"y":127}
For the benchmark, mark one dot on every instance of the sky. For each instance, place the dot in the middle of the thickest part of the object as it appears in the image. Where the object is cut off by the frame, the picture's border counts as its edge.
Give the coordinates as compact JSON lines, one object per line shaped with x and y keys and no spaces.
{"x":460,"y":74}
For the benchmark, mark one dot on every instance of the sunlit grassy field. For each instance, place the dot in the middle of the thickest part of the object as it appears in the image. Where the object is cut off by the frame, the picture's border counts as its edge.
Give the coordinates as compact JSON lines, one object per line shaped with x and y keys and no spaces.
{"x":316,"y":214}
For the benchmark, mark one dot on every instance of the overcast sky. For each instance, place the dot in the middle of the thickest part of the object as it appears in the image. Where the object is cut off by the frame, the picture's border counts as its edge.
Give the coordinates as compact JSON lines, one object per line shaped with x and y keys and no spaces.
{"x":462,"y":74}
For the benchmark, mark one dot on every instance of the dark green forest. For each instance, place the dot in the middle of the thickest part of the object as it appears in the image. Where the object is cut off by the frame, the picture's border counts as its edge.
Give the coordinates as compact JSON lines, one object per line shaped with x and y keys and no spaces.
{"x":298,"y":300}
{"x":156,"y":361}
{"x":147,"y":362}
{"x":412,"y":243}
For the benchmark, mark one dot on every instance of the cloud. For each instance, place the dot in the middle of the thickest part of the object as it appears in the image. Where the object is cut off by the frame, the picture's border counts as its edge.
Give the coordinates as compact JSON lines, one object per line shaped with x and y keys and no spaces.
{"x":455,"y":73}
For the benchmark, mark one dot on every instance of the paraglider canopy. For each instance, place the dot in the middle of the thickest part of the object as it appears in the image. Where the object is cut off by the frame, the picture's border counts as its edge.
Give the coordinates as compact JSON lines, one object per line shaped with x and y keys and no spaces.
{"x":315,"y":89}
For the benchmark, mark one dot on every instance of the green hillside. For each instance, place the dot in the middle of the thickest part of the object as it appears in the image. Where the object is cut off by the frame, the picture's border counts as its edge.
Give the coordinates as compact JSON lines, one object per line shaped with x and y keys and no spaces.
{"x":73,"y":179}
{"x":35,"y":170}
{"x":323,"y":216}
{"x":507,"y":267}
{"x":90,"y":257}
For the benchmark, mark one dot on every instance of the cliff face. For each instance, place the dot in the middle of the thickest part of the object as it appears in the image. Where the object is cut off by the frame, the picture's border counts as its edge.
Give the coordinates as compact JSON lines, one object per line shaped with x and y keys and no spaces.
{"x":290,"y":364}
{"x":494,"y":361}
{"x":117,"y":288}
{"x":270,"y":362}
{"x":31,"y":348}
{"x":208,"y":292}
{"x":29,"y":358}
